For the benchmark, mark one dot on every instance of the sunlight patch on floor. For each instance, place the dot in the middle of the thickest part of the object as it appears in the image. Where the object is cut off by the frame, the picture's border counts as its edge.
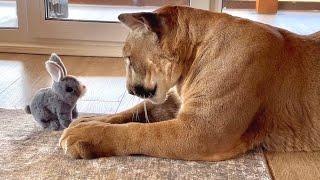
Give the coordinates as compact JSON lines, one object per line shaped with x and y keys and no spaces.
{"x":301,"y":22}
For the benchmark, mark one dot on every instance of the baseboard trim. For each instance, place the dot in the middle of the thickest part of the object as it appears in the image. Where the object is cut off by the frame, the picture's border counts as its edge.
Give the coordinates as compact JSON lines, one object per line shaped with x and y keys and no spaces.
{"x":105,"y":50}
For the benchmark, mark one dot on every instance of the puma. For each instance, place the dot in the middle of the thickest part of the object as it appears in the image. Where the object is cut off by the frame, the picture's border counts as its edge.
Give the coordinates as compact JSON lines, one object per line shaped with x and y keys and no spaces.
{"x":215,"y":86}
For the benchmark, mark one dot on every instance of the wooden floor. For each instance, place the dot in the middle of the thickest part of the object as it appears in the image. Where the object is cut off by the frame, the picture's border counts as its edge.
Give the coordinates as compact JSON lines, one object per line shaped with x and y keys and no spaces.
{"x":294,"y":166}
{"x":301,"y":22}
{"x":21,"y":75}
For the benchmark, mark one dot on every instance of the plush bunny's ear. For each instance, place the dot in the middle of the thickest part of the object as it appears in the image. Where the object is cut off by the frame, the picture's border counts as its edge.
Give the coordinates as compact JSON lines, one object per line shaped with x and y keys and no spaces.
{"x":55,"y":58}
{"x":54,"y":70}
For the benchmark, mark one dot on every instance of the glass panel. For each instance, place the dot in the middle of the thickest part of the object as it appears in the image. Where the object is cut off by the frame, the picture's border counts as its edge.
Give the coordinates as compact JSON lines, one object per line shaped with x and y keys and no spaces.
{"x":57,"y":8}
{"x":102,"y":10}
{"x":8,"y":14}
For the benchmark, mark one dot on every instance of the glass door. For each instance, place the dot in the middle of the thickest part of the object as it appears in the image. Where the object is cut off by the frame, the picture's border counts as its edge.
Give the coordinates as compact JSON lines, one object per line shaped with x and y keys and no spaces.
{"x":74,"y":27}
{"x":12,"y":20}
{"x":90,"y":20}
{"x":8,"y":14}
{"x":102,"y":10}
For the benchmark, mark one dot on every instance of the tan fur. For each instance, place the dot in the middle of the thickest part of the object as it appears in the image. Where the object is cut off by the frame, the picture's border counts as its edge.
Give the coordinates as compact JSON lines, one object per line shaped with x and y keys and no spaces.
{"x":234,"y":84}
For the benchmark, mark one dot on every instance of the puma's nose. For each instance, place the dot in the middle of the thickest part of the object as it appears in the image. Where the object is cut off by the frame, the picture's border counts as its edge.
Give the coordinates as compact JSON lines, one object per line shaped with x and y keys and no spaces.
{"x":143,"y":92}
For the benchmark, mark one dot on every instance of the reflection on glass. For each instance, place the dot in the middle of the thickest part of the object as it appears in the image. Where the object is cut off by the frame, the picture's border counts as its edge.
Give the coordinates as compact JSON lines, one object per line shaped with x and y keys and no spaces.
{"x":8,"y":14}
{"x":57,"y":8}
{"x":102,"y":10}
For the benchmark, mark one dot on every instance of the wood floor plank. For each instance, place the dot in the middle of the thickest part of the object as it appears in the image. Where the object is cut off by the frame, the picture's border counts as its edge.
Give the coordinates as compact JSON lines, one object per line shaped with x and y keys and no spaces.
{"x":128,"y":101}
{"x":27,"y":69}
{"x":22,"y":75}
{"x":104,"y":88}
{"x":301,"y":22}
{"x":11,"y":70}
{"x":104,"y":77}
{"x":294,"y":165}
{"x":97,"y":107}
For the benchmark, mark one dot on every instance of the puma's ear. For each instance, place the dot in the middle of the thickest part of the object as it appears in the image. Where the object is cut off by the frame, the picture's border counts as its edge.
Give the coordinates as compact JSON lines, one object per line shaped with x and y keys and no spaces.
{"x":152,"y":21}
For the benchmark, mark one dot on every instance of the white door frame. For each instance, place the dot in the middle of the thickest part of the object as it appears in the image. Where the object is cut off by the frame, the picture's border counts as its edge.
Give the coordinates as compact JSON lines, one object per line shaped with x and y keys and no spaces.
{"x":81,"y":30}
{"x":74,"y":30}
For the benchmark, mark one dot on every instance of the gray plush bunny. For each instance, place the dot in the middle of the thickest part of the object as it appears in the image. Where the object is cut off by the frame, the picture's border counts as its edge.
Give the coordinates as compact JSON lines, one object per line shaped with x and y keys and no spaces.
{"x":54,"y":108}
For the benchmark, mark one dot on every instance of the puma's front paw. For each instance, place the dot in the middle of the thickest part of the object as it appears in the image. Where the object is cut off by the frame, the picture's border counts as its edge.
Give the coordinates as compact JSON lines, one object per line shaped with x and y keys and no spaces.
{"x":86,"y":140}
{"x":80,"y":120}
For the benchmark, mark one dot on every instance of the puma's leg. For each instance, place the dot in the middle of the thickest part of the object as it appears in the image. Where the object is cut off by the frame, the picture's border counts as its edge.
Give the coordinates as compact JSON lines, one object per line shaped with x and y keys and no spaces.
{"x":153,"y":112}
{"x":169,"y":139}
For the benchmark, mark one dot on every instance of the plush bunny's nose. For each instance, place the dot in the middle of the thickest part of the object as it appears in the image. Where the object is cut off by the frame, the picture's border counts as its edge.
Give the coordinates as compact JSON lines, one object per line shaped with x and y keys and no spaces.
{"x":83,"y":89}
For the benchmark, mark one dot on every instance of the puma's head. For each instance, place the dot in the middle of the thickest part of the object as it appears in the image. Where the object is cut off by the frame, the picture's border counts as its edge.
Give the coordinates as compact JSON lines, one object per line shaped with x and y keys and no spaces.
{"x":151,"y":68}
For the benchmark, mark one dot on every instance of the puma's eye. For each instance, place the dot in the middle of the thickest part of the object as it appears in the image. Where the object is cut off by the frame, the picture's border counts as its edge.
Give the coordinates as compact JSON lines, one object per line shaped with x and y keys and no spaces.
{"x":69,"y":89}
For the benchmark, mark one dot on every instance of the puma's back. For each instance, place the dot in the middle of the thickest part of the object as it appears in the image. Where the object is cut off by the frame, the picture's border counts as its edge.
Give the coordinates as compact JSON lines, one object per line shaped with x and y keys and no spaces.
{"x":293,"y":111}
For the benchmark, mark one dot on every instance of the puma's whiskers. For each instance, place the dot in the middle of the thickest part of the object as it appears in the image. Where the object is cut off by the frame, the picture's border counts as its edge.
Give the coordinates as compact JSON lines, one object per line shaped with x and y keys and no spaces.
{"x":145,"y":112}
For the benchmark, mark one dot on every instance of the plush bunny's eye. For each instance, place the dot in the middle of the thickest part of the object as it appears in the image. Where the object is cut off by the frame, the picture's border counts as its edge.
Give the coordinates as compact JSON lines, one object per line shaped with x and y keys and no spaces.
{"x":69,"y":89}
